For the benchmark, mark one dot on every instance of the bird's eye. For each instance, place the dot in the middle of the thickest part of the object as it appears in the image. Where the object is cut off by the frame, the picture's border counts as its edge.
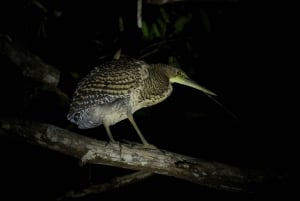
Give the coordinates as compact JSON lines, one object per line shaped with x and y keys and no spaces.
{"x":178,"y":74}
{"x":182,"y":74}
{"x":76,"y":117}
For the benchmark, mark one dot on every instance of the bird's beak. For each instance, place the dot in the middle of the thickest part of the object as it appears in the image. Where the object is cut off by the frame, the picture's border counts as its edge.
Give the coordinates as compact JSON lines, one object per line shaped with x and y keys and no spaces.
{"x":185,"y":80}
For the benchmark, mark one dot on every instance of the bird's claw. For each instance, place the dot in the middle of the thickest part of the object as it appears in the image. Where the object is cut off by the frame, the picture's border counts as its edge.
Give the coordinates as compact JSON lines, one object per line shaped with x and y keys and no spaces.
{"x":141,"y":146}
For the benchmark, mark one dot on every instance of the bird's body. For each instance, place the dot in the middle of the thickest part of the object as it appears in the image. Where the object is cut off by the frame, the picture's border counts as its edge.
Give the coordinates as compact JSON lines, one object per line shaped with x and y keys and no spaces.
{"x":115,"y":90}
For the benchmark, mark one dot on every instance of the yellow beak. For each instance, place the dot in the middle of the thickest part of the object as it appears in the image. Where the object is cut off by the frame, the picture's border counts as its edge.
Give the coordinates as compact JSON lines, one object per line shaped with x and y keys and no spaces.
{"x":185,"y":80}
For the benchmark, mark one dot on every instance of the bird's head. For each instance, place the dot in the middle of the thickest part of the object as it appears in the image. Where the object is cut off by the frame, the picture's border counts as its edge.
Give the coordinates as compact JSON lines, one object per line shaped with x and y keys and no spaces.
{"x":178,"y":76}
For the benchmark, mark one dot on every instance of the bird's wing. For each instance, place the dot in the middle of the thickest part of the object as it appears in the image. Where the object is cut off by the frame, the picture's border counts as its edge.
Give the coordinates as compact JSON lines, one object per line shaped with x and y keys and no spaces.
{"x":109,"y":82}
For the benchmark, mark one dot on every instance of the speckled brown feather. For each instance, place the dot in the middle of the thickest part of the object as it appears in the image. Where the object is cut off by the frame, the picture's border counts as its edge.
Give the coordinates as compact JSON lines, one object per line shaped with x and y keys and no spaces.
{"x":113,"y":80}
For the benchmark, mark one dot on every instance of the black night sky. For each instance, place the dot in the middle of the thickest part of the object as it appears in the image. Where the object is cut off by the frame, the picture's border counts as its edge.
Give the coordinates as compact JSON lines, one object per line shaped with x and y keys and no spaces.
{"x":235,"y":49}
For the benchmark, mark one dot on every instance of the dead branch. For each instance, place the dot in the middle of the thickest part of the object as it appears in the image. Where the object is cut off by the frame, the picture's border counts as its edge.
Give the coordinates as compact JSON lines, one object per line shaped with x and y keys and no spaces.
{"x":32,"y":66}
{"x":210,"y":174}
{"x":115,"y":183}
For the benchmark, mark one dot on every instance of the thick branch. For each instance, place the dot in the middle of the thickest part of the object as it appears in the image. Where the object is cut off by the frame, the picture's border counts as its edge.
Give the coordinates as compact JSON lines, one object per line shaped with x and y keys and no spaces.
{"x":211,"y":174}
{"x":32,"y":66}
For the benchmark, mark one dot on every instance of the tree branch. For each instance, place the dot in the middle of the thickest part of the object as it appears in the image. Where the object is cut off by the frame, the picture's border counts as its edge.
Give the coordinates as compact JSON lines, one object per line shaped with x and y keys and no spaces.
{"x":32,"y":66}
{"x":210,"y":174}
{"x":115,"y":183}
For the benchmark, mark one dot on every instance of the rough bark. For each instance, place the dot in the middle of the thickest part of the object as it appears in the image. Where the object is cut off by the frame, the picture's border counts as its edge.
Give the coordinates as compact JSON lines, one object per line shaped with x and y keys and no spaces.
{"x":135,"y":157}
{"x":32,"y":66}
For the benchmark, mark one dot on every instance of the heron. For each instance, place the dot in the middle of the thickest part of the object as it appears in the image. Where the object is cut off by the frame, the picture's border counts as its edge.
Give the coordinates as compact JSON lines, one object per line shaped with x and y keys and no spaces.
{"x":115,"y":90}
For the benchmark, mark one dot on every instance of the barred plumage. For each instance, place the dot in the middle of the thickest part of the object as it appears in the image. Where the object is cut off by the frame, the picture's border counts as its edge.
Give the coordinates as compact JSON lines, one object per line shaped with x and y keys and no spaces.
{"x":116,"y":89}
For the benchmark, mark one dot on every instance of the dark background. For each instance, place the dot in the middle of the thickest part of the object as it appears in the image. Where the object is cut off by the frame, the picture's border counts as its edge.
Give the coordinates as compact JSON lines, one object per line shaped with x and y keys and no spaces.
{"x":236,"y":49}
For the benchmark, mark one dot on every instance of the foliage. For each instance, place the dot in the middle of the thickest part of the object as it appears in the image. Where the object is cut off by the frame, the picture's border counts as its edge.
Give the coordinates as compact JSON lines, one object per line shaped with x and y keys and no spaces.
{"x":165,"y":26}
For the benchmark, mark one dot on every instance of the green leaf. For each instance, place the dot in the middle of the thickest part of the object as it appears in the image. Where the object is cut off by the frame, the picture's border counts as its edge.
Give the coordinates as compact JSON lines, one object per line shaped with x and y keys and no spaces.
{"x":155,"y":31}
{"x":145,"y":30}
{"x":163,"y":27}
{"x":181,"y":22}
{"x":164,"y":15}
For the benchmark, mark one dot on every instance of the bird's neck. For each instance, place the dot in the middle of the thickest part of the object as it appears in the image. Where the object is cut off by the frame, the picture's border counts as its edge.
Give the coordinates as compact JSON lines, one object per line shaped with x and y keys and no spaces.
{"x":161,"y":71}
{"x":157,"y":84}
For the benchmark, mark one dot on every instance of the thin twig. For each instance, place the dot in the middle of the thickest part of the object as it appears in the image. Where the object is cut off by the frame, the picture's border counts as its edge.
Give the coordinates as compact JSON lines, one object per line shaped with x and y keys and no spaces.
{"x":154,"y":45}
{"x":149,"y":53}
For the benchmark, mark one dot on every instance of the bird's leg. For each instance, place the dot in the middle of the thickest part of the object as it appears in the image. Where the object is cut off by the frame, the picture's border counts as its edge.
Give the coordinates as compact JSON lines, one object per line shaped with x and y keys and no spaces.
{"x":109,"y":133}
{"x":130,"y":117}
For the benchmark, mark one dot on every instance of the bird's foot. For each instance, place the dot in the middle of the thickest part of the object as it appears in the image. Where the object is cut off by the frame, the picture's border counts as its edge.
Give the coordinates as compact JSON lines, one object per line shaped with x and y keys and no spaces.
{"x":141,"y":146}
{"x":149,"y":146}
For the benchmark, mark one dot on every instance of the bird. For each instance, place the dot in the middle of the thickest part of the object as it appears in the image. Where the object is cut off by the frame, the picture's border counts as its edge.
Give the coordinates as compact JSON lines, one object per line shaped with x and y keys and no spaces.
{"x":116,"y":89}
